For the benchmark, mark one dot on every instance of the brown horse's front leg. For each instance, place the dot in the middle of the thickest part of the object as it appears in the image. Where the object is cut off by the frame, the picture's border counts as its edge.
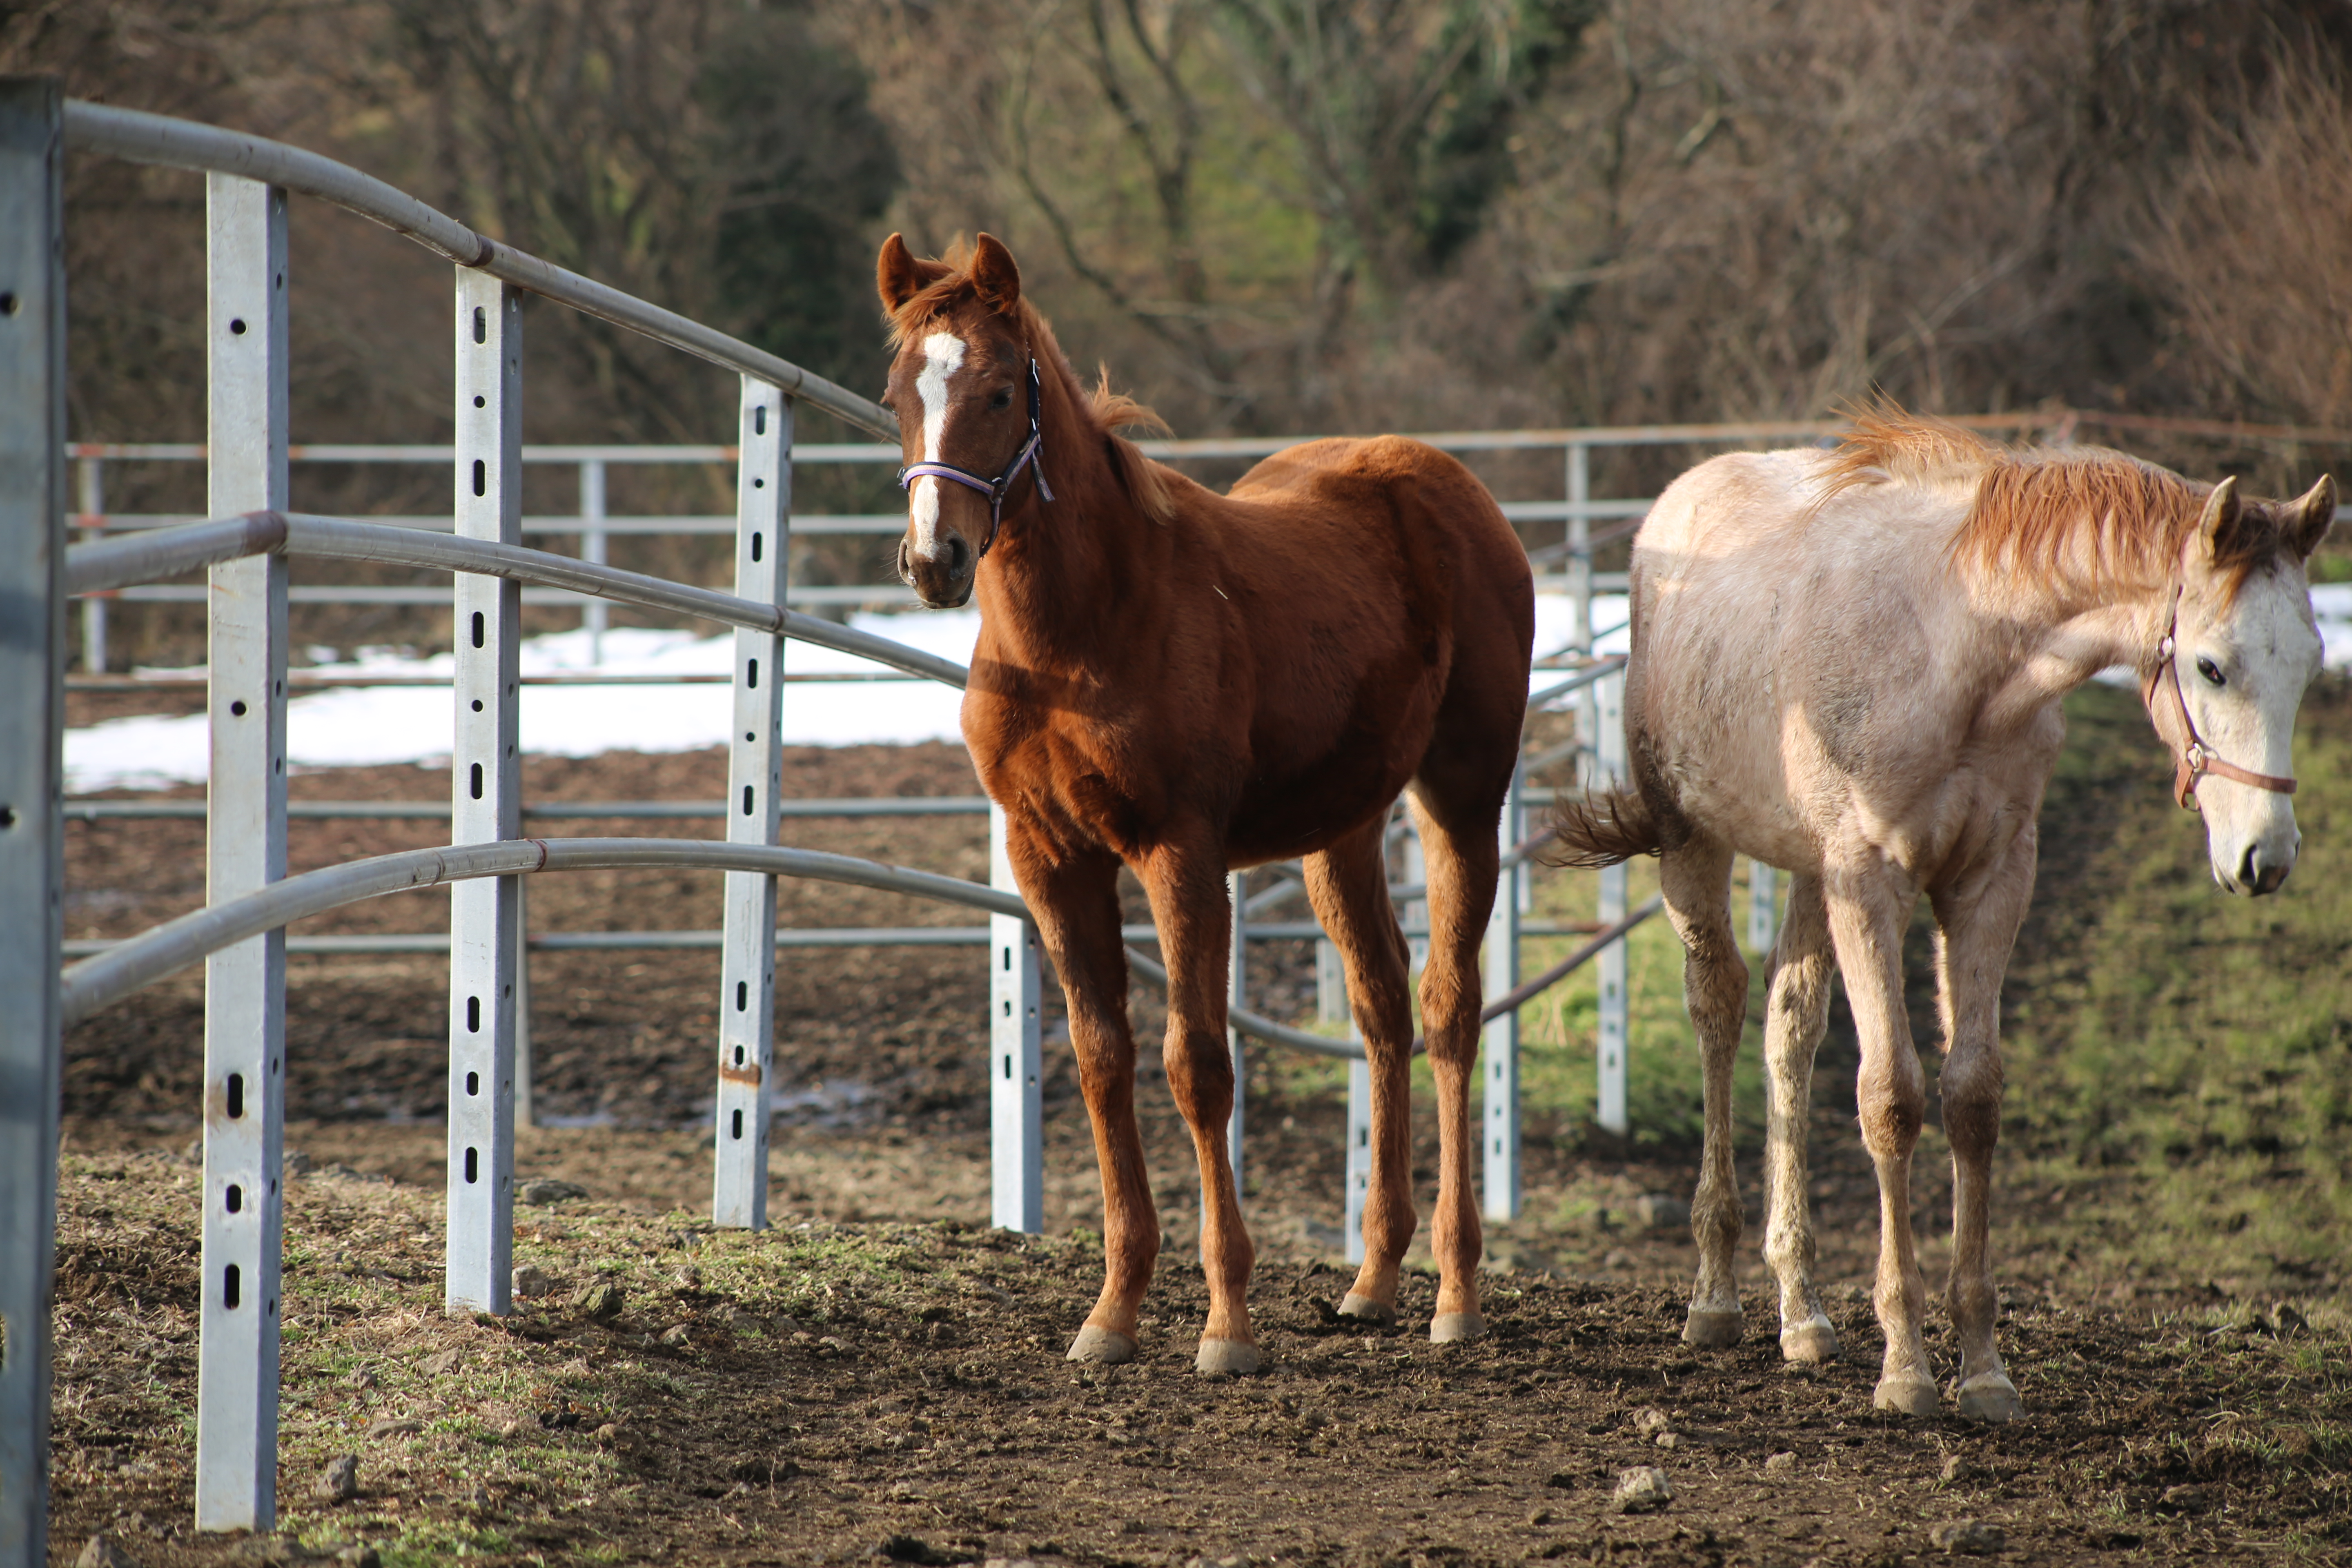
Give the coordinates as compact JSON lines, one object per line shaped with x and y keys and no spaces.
{"x":1076,"y":902}
{"x":1186,"y":880}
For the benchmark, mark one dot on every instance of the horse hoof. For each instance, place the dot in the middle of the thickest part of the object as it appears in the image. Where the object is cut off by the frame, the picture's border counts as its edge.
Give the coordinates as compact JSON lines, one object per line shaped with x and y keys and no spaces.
{"x":1103,"y":1347}
{"x":1448,"y":1327}
{"x":1227,"y":1358}
{"x":1713,"y":1330}
{"x":1990,"y":1396}
{"x":1364,"y":1310}
{"x":1811,"y":1342}
{"x":1912,"y":1395}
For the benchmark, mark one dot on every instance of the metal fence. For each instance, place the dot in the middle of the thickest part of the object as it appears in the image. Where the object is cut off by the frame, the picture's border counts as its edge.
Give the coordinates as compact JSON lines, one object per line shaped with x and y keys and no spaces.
{"x":245,"y":545}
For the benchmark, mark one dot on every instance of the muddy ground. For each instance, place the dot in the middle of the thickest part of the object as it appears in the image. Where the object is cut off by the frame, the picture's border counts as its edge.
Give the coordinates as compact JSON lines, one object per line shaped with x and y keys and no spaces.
{"x":879,"y":1377}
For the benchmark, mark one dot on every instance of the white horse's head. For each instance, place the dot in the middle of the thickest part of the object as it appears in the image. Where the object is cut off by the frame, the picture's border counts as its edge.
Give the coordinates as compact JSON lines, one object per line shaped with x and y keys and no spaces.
{"x":2243,"y":648}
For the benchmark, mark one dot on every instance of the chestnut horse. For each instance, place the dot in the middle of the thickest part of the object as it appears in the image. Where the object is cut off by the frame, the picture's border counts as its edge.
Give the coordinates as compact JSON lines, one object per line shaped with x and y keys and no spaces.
{"x":1849,"y":665}
{"x":1184,"y":683}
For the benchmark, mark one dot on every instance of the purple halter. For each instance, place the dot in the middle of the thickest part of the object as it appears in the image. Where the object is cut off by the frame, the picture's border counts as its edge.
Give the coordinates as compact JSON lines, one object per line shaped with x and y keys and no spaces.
{"x":1033,"y":450}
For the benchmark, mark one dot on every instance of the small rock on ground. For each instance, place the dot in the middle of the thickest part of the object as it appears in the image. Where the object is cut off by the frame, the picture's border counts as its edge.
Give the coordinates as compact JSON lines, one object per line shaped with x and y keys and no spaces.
{"x":1971,"y":1536}
{"x":602,"y":1301}
{"x":101,"y":1553}
{"x":677,"y":1336}
{"x":342,"y":1481}
{"x":395,"y":1426}
{"x":1641,"y":1490}
{"x":548,"y":1190}
{"x":1958,"y":1470}
{"x":1649,"y":1421}
{"x":445,"y":1364}
{"x":1780,"y":1466}
{"x":530,"y":1281}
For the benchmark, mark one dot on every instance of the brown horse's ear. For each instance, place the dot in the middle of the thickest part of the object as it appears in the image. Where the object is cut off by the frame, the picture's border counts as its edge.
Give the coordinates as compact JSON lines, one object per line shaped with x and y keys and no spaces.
{"x":2220,"y":523}
{"x":2310,"y":518}
{"x":995,"y":277}
{"x":899,"y":276}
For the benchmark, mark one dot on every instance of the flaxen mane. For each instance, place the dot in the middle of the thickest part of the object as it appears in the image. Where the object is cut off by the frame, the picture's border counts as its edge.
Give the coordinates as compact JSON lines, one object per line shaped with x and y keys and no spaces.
{"x":2082,"y":517}
{"x":1109,"y":413}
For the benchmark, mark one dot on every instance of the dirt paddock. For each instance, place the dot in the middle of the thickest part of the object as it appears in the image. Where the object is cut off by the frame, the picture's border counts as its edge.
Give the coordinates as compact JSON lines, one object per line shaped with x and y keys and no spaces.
{"x":879,"y":1377}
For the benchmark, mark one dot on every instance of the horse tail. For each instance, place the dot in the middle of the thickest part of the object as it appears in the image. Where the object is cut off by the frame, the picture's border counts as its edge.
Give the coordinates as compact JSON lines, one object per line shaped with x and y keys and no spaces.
{"x":1604,"y":830}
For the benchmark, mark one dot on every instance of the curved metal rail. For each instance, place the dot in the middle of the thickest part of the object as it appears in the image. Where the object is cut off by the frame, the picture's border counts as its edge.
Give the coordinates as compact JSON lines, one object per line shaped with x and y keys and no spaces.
{"x":142,"y":138}
{"x":164,"y":551}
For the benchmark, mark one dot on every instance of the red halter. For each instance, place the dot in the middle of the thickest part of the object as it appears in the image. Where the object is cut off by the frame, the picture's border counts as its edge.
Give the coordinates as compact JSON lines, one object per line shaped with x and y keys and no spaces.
{"x":2193,"y":758}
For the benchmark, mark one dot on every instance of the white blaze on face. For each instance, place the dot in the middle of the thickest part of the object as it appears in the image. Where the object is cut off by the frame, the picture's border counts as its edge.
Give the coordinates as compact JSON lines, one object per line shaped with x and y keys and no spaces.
{"x":942,"y":357}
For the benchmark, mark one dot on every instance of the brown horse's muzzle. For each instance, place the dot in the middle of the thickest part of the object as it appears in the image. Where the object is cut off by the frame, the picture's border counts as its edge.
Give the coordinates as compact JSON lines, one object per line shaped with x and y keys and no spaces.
{"x":942,"y":579}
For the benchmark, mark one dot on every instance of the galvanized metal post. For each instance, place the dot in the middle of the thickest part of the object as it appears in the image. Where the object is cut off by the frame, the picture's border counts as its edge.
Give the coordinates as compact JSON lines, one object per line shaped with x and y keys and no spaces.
{"x":746,"y":969}
{"x":1580,"y":596}
{"x":1330,"y":982}
{"x":1236,"y":995}
{"x":525,"y":1113}
{"x":1610,"y":1110}
{"x":1016,"y":1104}
{"x":1763,"y":908}
{"x":93,"y":606}
{"x":244,"y":985}
{"x":592,"y":548}
{"x":1360,"y":1153}
{"x":1415,"y":913}
{"x":32,"y":710}
{"x":1502,"y":1041}
{"x":485,"y":801}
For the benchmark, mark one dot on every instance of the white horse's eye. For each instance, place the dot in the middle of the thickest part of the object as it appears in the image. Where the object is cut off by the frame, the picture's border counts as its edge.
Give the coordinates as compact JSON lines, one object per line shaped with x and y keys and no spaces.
{"x":2209,"y":670}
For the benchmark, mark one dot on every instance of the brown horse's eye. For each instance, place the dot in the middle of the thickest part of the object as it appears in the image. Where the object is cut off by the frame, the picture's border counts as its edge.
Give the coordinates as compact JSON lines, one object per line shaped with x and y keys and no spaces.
{"x":2209,"y":670}
{"x":1004,"y":398}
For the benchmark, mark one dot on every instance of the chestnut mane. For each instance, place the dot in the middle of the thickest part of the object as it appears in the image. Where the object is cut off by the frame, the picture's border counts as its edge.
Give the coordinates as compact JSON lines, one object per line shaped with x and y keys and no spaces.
{"x":1107,"y":414}
{"x":2083,"y":518}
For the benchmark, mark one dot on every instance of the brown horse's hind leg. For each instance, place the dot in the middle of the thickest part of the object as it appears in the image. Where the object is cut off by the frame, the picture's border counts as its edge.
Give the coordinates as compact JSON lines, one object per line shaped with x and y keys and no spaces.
{"x":1348,"y":885}
{"x":1459,"y":848}
{"x":1077,"y":905}
{"x":1869,"y":904}
{"x":1978,"y":923}
{"x":1697,"y":881}
{"x":1795,"y":1019}
{"x":1185,"y":877}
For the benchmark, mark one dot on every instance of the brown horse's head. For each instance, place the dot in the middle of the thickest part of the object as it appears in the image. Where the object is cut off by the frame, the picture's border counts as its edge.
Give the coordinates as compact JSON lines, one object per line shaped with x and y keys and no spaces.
{"x":965,"y":393}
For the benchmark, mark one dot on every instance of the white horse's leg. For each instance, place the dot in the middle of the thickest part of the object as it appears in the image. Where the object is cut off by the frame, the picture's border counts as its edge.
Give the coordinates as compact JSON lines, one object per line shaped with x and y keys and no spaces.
{"x":1697,"y":881}
{"x":1979,"y":921}
{"x":1796,"y":1017}
{"x":1868,"y":906}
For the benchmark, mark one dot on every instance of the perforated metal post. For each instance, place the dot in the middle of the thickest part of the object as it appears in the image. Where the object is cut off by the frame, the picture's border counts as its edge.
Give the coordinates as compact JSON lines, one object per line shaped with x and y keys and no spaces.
{"x":244,"y":985}
{"x":1610,"y":1110}
{"x":1236,"y":995}
{"x":32,"y":707}
{"x":1415,"y":913}
{"x":525,"y":1113}
{"x":485,"y":798}
{"x":746,"y":969}
{"x":92,"y":505}
{"x":1360,"y":1153}
{"x":1016,"y":1104}
{"x":1502,"y":1035}
{"x":592,"y":548}
{"x":1763,"y":908}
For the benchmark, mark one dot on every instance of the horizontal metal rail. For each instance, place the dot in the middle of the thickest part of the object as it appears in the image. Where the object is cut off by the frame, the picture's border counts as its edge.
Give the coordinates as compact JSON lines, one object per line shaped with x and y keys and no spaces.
{"x":378,"y":943}
{"x":142,"y":138}
{"x":583,"y":810}
{"x":135,"y":558}
{"x":101,"y":981}
{"x":331,"y":680}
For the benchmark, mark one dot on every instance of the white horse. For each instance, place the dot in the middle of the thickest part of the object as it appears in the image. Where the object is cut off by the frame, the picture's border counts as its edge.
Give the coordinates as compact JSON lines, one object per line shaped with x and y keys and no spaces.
{"x":1849,"y":665}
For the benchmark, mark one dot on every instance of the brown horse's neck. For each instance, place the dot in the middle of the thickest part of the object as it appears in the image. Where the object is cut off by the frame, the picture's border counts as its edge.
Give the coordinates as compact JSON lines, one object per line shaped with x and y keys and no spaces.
{"x":1063,"y":573}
